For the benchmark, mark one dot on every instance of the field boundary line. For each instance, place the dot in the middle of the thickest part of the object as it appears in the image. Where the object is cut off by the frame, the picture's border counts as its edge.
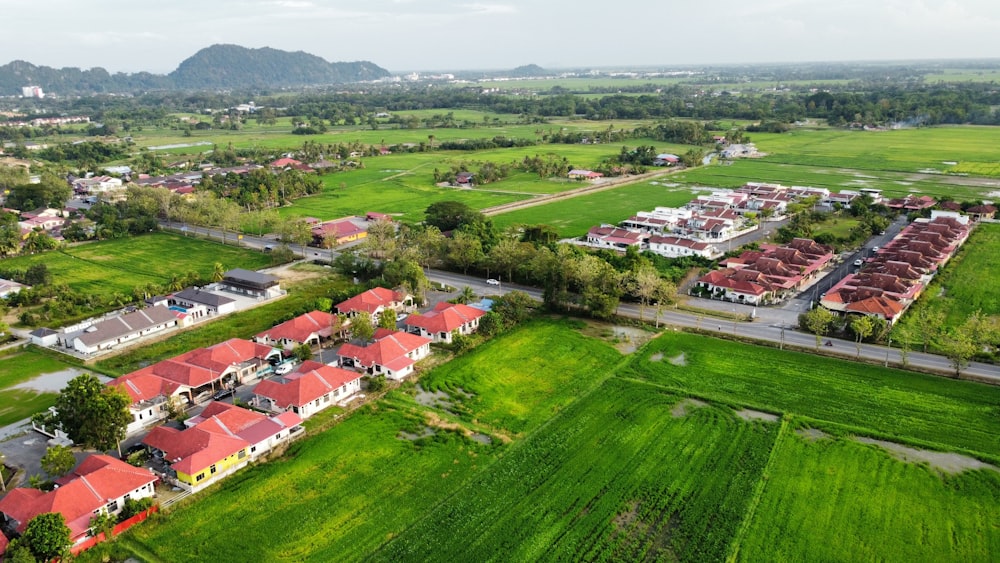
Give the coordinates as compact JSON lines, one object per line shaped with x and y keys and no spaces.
{"x":734,"y":546}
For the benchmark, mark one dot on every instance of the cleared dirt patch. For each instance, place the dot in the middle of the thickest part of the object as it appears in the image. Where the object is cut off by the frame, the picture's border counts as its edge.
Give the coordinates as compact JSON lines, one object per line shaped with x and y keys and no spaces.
{"x":747,"y":414}
{"x":625,"y":339}
{"x":812,"y":434}
{"x":685,"y":406}
{"x":679,"y":360}
{"x":942,"y":461}
{"x":657,"y":357}
{"x":412,"y":437}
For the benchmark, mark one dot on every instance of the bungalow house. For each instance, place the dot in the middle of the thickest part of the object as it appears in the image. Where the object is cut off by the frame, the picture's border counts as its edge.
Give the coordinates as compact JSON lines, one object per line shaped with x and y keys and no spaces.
{"x":44,"y":337}
{"x":308,"y":390}
{"x":911,"y":203}
{"x":464,"y":178}
{"x":607,"y":236}
{"x":739,"y":286}
{"x":97,"y":185}
{"x":335,"y":233}
{"x":198,"y":302}
{"x":445,"y":320}
{"x":150,"y":394}
{"x":666,"y":159}
{"x":285,"y":163}
{"x":676,"y":247}
{"x":220,"y":443}
{"x":375,"y":301}
{"x":112,"y":332}
{"x":980,"y":212}
{"x":309,"y":328}
{"x":253,"y":284}
{"x":99,"y":485}
{"x":8,"y":288}
{"x":392,"y":354}
{"x":579,"y":174}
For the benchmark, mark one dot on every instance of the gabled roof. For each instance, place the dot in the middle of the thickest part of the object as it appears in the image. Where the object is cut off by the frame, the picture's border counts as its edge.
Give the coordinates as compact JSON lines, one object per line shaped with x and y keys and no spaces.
{"x":239,"y":275}
{"x":370,"y":301}
{"x":877,"y":305}
{"x":129,"y":323}
{"x":310,"y":381}
{"x":97,"y":481}
{"x":302,"y":327}
{"x":195,"y":295}
{"x":144,"y":386}
{"x":386,"y":350}
{"x":194,"y":449}
{"x":445,"y":317}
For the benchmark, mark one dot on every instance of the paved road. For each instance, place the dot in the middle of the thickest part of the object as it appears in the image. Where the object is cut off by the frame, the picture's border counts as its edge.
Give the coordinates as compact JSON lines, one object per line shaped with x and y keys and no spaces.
{"x":761,"y":328}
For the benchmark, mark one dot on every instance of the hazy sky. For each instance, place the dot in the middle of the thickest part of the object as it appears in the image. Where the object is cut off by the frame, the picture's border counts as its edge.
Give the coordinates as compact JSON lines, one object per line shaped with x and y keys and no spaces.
{"x":136,"y":35}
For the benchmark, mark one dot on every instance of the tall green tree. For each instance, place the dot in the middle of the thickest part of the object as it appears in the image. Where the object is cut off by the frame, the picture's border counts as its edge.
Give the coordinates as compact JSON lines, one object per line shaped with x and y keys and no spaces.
{"x":47,"y":536}
{"x":862,"y":327}
{"x":362,"y":326}
{"x":58,"y":460}
{"x":817,"y":321}
{"x":93,"y":414}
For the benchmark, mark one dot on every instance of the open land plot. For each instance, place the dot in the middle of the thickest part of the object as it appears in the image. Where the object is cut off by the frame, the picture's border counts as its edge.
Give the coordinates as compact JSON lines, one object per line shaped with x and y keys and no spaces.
{"x":518,"y":382}
{"x":18,"y":368}
{"x":900,"y":405}
{"x":573,"y":217}
{"x":892,"y":184}
{"x":968,"y":282}
{"x":615,"y":477}
{"x":118,"y":266}
{"x":835,"y":499}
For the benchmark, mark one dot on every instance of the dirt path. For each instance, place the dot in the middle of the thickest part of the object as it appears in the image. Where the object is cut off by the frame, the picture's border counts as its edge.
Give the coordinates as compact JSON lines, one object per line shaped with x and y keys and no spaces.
{"x":589,"y":189}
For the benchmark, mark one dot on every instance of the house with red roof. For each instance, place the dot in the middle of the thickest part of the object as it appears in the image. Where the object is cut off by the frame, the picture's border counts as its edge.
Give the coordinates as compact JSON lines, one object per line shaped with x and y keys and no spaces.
{"x":980,"y":212}
{"x":285,"y":163}
{"x":444,"y":321}
{"x":393,"y":354}
{"x":675,"y":247}
{"x":375,"y":301}
{"x":580,"y":174}
{"x":340,"y":231}
{"x":615,"y":238}
{"x":101,"y":484}
{"x":310,"y":329}
{"x":221,"y":441}
{"x":311,"y":388}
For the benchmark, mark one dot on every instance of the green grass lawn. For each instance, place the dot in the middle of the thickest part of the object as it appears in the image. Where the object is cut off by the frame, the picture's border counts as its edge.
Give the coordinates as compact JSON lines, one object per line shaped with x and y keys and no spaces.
{"x":517,"y":382}
{"x":616,"y":477}
{"x":573,"y":217}
{"x":118,"y":266}
{"x":840,"y":500}
{"x":901,"y":405}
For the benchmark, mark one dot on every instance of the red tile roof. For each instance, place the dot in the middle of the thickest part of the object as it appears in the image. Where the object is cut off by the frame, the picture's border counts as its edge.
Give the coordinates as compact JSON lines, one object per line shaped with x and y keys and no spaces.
{"x":144,"y":386}
{"x":386,"y":350}
{"x":338,"y":229}
{"x":97,"y":481}
{"x":370,"y":301}
{"x":194,"y":449}
{"x":310,"y":381}
{"x":303,"y":327}
{"x":445,"y":317}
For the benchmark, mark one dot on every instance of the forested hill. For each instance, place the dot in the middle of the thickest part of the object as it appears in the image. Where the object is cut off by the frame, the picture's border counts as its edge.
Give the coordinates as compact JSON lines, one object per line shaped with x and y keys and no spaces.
{"x":232,"y":66}
{"x":213,"y":68}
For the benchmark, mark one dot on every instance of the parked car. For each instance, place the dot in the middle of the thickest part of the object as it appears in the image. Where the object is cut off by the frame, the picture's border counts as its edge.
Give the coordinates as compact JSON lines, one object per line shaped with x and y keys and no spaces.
{"x":223,"y":393}
{"x":284,"y":368}
{"x":492,"y":281}
{"x":874,"y":249}
{"x":401,"y":317}
{"x":859,"y":262}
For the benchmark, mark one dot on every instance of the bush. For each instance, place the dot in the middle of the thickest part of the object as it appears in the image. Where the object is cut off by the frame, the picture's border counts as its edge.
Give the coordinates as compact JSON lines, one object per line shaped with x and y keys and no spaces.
{"x":134,"y":506}
{"x":374,"y":383}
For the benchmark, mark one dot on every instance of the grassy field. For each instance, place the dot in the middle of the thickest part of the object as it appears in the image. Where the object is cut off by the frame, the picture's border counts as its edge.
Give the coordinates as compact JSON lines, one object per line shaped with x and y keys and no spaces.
{"x":18,"y":367}
{"x":516,"y":383}
{"x":118,"y":266}
{"x":617,"y":477}
{"x":901,"y":405}
{"x":840,"y":500}
{"x":573,"y":217}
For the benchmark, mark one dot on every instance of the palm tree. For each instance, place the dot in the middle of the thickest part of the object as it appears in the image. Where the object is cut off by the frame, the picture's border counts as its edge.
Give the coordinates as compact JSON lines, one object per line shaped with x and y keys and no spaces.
{"x":467,"y":294}
{"x":218,"y":272}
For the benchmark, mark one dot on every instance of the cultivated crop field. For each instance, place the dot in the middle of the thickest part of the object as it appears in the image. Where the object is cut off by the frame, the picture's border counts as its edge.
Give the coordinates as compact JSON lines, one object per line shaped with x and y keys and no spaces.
{"x":836,"y":499}
{"x":118,"y":266}
{"x":627,"y":473}
{"x":897,"y":404}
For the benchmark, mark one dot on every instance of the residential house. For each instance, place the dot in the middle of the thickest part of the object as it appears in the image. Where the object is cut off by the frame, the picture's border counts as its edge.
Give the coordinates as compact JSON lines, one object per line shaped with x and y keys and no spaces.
{"x":253,"y":284}
{"x":376,"y":301}
{"x":198,"y":302}
{"x":106,"y":334}
{"x":99,"y":485}
{"x":150,"y":395}
{"x":311,"y":388}
{"x":615,"y":238}
{"x":341,"y":231}
{"x":911,"y":203}
{"x":8,"y":288}
{"x":221,"y":441}
{"x":393,"y":354}
{"x":676,"y":247}
{"x":464,"y":178}
{"x":444,"y":321}
{"x":309,"y":328}
{"x":980,"y":212}
{"x":579,"y":174}
{"x":44,"y":337}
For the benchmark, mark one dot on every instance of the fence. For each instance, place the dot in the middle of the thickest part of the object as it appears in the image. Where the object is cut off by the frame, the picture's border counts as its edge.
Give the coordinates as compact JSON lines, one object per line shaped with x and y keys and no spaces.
{"x":119,"y":528}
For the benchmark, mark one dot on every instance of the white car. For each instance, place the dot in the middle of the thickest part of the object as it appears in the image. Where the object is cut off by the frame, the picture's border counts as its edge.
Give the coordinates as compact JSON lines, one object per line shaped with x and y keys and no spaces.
{"x":858,"y":262}
{"x":874,"y":249}
{"x":492,"y":281}
{"x":282,"y":369}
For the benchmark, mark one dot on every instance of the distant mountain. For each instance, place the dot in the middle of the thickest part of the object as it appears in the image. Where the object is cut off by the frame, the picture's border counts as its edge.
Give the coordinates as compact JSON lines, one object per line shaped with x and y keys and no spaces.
{"x":529,"y":70}
{"x":232,"y":66}
{"x":213,"y":68}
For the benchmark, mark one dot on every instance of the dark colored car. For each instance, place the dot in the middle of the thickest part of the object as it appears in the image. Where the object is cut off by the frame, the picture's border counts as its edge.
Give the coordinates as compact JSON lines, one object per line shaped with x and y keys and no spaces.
{"x":223,"y":393}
